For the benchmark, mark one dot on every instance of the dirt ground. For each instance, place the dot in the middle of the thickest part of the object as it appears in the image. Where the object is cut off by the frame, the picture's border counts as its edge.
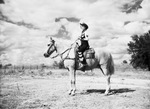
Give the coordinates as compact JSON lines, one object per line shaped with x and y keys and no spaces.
{"x":129,"y":91}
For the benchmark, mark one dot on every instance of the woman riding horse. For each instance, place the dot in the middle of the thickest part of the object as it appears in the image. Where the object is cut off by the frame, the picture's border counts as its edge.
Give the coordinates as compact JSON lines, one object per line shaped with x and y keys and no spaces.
{"x":84,"y":44}
{"x":102,"y":60}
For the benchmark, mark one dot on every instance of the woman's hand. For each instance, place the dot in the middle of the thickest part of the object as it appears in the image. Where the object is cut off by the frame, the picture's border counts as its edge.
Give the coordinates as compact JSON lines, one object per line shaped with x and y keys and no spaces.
{"x":79,"y":38}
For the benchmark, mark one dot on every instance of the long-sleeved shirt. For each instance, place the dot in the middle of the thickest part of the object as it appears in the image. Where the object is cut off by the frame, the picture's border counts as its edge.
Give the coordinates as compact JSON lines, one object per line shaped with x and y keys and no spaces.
{"x":84,"y":36}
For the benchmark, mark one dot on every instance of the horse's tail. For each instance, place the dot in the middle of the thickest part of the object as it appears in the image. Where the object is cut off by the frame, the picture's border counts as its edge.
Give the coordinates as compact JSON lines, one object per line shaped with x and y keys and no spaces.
{"x":110,"y":65}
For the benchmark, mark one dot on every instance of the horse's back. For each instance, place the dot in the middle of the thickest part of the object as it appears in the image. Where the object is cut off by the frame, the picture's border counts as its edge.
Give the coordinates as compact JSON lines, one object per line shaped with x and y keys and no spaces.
{"x":102,"y":55}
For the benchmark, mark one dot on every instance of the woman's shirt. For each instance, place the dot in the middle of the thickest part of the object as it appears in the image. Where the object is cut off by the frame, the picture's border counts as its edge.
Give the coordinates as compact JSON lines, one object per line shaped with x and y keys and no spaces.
{"x":84,"y":39}
{"x":84,"y":36}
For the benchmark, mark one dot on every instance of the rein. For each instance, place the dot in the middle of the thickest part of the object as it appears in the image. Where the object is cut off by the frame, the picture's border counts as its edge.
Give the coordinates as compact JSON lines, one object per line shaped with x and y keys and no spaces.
{"x":64,"y":51}
{"x":61,"y":53}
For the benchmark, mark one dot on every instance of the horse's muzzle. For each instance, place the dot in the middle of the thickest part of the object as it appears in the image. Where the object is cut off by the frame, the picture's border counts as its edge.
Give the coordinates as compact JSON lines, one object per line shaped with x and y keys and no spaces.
{"x":46,"y":55}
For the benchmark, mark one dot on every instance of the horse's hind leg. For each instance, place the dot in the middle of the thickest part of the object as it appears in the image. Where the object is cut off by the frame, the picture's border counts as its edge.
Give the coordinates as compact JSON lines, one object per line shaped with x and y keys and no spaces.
{"x":105,"y":71}
{"x":108,"y":84}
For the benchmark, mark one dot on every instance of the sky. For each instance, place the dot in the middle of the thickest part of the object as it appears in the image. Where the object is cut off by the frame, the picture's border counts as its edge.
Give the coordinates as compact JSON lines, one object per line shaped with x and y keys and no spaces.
{"x":24,"y":25}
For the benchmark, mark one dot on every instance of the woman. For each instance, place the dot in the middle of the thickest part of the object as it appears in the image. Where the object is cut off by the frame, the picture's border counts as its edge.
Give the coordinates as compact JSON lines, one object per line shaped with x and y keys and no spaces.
{"x":84,"y":43}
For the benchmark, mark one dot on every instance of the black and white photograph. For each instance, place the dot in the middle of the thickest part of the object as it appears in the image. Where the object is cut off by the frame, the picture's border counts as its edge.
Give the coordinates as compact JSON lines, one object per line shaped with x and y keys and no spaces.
{"x":74,"y":54}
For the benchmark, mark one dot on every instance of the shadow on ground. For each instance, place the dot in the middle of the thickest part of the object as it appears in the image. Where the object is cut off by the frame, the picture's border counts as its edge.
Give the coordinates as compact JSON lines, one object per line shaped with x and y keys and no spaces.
{"x":112,"y":92}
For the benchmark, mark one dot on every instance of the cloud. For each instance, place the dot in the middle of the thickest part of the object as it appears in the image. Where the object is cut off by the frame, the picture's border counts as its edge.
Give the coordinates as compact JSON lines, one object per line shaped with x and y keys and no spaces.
{"x":137,"y":27}
{"x":143,"y":13}
{"x":60,"y":18}
{"x":22,"y":45}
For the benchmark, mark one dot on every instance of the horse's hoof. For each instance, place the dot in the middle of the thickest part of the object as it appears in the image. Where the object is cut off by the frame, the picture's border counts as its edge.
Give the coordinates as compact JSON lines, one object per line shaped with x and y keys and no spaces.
{"x":73,"y":94}
{"x":106,"y":93}
{"x":69,"y":92}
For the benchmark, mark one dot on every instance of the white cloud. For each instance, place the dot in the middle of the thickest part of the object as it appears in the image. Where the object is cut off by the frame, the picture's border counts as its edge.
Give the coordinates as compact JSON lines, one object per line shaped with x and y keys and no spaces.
{"x":104,"y":17}
{"x":144,"y":13}
{"x":136,"y":28}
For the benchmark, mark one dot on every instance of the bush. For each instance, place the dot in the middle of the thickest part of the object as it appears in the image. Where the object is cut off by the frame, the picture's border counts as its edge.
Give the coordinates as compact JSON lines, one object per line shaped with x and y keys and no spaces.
{"x":139,"y":48}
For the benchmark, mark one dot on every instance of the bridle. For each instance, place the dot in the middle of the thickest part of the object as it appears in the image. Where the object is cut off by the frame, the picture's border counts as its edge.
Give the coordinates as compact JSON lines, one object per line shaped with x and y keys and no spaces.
{"x":58,"y":54}
{"x":62,"y":53}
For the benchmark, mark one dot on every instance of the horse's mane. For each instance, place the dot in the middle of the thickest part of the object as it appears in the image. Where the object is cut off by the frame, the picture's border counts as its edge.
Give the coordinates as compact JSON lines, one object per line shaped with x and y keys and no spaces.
{"x":64,"y":44}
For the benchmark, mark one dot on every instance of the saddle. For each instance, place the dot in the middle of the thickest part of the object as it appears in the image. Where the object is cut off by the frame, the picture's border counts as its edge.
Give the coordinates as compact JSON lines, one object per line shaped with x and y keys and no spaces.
{"x":89,"y":53}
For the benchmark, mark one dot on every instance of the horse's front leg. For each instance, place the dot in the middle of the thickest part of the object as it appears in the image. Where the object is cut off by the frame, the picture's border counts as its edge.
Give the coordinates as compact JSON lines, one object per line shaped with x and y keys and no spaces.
{"x":72,"y":81}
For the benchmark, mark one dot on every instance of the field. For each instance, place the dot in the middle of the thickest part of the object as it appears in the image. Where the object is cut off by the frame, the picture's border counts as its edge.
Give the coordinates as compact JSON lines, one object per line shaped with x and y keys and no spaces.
{"x":47,"y":89}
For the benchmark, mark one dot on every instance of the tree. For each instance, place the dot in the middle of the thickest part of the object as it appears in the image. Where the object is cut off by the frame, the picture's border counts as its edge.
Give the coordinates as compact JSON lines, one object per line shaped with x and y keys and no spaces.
{"x":139,"y":48}
{"x":2,"y":2}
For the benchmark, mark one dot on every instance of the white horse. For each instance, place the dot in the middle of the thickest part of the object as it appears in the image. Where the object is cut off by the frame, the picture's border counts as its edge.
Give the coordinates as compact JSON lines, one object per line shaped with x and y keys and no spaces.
{"x":102,"y":60}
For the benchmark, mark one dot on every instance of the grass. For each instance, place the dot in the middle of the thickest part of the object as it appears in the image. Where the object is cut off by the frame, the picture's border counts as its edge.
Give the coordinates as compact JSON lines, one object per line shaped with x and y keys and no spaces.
{"x":120,"y":71}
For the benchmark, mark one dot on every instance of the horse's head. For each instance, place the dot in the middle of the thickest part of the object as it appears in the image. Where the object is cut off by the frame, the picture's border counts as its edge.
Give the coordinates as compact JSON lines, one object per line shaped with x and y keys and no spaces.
{"x":52,"y":48}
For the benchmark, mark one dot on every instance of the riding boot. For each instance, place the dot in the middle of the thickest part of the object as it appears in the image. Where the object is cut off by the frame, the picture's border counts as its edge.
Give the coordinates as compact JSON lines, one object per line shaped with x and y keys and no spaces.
{"x":82,"y":62}
{"x":84,"y":65}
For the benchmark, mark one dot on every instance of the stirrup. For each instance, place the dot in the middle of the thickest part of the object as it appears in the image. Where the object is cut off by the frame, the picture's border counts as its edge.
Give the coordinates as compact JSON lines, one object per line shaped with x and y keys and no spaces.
{"x":81,"y":65}
{"x":81,"y":59}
